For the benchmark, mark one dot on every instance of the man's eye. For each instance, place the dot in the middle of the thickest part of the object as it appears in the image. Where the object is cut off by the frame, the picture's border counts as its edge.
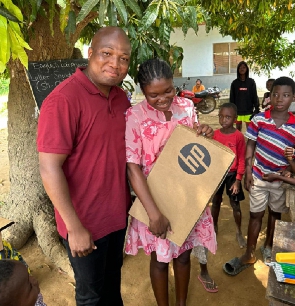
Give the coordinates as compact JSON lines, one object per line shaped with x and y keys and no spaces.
{"x":106,"y":53}
{"x":125,"y":59}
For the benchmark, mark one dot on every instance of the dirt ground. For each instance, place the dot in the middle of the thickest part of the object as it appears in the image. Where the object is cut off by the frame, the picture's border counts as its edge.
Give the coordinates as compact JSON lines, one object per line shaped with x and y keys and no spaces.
{"x":245,"y":289}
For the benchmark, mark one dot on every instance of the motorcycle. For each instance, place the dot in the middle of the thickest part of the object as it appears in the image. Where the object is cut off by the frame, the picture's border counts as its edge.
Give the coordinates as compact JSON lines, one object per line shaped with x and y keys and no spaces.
{"x":204,"y":101}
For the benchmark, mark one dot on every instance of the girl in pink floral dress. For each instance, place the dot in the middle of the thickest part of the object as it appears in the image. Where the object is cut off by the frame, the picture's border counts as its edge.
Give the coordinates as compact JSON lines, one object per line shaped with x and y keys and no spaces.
{"x":149,"y":125}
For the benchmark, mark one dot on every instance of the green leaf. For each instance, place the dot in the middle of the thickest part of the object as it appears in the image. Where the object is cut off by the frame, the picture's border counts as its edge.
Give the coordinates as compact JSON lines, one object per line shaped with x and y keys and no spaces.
{"x":19,"y":36}
{"x":134,"y":7}
{"x":64,"y":12}
{"x":112,"y":14}
{"x":2,"y":67}
{"x":51,"y":4}
{"x":3,"y":35}
{"x":86,"y":8}
{"x":132,"y":32}
{"x":149,"y":17}
{"x":102,"y":11}
{"x":35,"y":9}
{"x":17,"y":51}
{"x":121,"y":10}
{"x":5,"y":13}
{"x":164,"y":32}
{"x":144,"y":52}
{"x":13,"y":9}
{"x":71,"y":26}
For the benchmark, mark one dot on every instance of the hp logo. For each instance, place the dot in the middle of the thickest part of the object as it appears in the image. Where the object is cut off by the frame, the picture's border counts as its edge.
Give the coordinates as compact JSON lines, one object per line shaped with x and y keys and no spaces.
{"x":194,"y":159}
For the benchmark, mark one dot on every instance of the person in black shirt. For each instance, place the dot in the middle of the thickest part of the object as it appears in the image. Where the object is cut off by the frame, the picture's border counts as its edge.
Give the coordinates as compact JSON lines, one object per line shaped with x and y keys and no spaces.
{"x":243,"y":94}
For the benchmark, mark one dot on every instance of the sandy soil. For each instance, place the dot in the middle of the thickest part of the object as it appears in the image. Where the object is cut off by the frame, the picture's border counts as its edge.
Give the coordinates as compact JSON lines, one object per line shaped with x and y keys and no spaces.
{"x":248,"y":288}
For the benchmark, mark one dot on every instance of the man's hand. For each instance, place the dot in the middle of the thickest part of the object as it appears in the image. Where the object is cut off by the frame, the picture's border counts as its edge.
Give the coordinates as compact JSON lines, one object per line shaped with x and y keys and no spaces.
{"x":236,"y":186}
{"x":160,"y":226}
{"x":205,"y":130}
{"x":80,"y":242}
{"x":248,"y":181}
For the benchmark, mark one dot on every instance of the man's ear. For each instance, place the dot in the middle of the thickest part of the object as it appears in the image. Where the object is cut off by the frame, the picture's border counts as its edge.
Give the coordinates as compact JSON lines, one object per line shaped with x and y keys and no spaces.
{"x":90,"y":51}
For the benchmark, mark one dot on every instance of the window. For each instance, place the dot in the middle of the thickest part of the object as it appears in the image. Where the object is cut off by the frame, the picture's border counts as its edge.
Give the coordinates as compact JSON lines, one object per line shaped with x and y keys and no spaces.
{"x":225,"y":58}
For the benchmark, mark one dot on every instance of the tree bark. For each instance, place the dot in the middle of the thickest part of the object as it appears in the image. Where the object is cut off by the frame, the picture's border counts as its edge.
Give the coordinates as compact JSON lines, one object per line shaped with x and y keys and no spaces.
{"x":28,"y":204}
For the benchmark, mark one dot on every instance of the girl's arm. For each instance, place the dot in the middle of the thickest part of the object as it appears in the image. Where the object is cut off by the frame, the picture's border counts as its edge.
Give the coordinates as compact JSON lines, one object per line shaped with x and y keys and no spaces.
{"x":159,"y":224}
{"x":240,"y":156}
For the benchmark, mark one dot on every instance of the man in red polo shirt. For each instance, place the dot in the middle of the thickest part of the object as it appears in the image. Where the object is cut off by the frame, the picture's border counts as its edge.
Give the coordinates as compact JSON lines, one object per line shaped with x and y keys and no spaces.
{"x":82,"y":160}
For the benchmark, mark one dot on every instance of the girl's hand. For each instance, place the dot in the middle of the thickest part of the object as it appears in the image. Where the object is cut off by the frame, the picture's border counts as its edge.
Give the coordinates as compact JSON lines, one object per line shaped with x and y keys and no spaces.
{"x":160,"y":226}
{"x":205,"y":130}
{"x":236,"y":186}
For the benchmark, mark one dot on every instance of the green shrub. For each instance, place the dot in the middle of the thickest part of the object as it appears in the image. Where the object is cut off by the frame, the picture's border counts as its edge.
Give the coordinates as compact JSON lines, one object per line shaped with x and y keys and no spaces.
{"x":4,"y":86}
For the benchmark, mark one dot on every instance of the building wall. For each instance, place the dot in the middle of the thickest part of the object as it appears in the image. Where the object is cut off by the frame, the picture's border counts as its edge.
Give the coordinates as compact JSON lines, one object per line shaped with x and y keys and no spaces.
{"x":198,"y":59}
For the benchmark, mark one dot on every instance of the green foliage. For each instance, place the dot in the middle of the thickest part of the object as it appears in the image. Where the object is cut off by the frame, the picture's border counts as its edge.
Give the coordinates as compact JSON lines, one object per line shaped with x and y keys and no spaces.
{"x":4,"y":86}
{"x":12,"y":40}
{"x":257,"y":25}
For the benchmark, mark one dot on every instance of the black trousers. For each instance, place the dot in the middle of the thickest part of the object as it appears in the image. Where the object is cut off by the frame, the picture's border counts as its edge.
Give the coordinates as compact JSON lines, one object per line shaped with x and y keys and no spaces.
{"x":98,"y":275}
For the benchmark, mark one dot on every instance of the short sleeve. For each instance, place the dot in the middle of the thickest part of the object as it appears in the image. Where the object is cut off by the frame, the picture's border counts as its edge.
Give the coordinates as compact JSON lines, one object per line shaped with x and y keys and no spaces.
{"x":133,"y":138}
{"x":57,"y":126}
{"x":253,"y":128}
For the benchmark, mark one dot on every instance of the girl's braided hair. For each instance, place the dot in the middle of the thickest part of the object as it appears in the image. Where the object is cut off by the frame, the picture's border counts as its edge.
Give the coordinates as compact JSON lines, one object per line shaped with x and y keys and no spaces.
{"x":151,"y":69}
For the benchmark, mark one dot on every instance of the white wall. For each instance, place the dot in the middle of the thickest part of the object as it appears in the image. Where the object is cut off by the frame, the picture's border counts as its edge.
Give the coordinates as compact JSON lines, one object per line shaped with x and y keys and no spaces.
{"x":198,"y":54}
{"x":197,"y":50}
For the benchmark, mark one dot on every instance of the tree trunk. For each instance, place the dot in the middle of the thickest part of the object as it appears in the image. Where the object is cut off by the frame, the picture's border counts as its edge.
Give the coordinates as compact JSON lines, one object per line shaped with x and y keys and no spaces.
{"x":27,"y":203}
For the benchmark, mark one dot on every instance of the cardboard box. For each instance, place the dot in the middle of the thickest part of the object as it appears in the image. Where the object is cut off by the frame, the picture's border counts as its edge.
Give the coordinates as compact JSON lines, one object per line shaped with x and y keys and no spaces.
{"x":187,"y":173}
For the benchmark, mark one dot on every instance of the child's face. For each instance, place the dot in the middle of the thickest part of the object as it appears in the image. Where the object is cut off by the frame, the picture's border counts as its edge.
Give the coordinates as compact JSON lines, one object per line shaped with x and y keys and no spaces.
{"x":269,"y":85}
{"x":159,"y":93}
{"x":24,"y":289}
{"x":242,"y":69}
{"x":227,"y":117}
{"x":281,"y":98}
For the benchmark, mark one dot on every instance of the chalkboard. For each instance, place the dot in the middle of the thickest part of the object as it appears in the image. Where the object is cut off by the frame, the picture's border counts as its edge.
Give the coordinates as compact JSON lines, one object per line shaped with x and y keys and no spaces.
{"x":45,"y":76}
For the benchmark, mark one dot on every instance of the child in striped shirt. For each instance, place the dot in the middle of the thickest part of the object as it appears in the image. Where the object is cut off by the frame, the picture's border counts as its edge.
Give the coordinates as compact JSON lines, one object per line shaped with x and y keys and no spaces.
{"x":269,"y":133}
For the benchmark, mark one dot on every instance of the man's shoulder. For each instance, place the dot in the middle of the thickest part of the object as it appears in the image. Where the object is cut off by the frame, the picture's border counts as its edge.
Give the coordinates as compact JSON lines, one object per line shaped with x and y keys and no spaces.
{"x":69,"y":85}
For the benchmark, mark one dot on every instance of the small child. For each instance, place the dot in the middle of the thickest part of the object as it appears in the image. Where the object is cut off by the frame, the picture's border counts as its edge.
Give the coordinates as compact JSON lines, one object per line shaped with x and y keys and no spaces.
{"x":17,"y":287}
{"x":266,"y":97}
{"x":233,"y":139}
{"x":269,"y":133}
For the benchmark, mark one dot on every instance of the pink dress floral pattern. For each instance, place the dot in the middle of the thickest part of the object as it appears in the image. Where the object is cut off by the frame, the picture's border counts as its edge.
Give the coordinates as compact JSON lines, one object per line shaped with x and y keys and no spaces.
{"x":147,"y":132}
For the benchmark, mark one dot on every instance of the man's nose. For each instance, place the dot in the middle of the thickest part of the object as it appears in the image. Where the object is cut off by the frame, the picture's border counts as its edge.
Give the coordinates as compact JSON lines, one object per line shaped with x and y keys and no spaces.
{"x":115,"y":61}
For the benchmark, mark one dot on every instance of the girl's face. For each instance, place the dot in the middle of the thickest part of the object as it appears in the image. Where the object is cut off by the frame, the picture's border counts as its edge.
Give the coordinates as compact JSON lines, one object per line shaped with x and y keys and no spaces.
{"x":281,"y":97}
{"x":159,"y":93}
